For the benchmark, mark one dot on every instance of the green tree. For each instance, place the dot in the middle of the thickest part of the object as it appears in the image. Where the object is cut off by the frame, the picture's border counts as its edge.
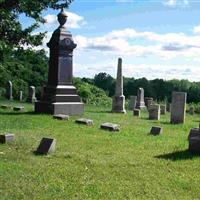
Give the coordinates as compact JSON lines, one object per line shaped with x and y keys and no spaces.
{"x":12,"y":35}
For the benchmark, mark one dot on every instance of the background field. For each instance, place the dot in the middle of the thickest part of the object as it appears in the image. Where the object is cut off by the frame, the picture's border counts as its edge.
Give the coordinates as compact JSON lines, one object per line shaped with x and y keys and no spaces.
{"x":90,"y":163}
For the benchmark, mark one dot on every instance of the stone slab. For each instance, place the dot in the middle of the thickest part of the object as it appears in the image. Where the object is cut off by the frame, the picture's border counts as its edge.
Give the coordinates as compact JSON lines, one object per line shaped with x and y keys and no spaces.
{"x":18,"y":108}
{"x":61,"y":117}
{"x":46,"y":146}
{"x":136,"y":112}
{"x":6,"y":106}
{"x":85,"y":121}
{"x":110,"y":126}
{"x":156,"y":130}
{"x":7,"y":138}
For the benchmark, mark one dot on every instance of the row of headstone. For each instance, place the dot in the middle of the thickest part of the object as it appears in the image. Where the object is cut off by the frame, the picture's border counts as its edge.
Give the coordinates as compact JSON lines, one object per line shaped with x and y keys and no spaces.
{"x":9,"y":93}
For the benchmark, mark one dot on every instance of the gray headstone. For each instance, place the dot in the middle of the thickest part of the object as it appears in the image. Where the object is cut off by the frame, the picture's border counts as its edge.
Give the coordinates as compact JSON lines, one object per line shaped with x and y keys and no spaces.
{"x":46,"y":146}
{"x":178,"y":107}
{"x":118,"y":105}
{"x":110,"y":126}
{"x":85,"y":121}
{"x":18,"y":108}
{"x":163,"y":109}
{"x":136,"y":112}
{"x":154,"y":112}
{"x":7,"y":138}
{"x":9,"y":94}
{"x":20,"y":95}
{"x":156,"y":130}
{"x":140,"y":99}
{"x":148,"y":101}
{"x":132,"y":102}
{"x":31,"y":95}
{"x":61,"y":117}
{"x":60,"y":96}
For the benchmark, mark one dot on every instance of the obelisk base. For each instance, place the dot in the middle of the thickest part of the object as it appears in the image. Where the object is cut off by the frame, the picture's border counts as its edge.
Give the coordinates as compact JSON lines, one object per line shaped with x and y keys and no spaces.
{"x":66,"y":108}
{"x":119,"y":104}
{"x":60,"y":100}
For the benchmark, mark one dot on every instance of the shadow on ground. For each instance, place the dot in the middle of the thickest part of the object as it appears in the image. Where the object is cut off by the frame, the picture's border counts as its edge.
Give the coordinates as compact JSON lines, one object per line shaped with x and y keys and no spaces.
{"x":178,"y":155}
{"x":19,"y":113}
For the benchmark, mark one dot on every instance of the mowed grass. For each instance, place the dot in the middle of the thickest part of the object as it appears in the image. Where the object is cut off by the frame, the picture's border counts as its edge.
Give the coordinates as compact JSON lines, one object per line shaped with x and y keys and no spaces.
{"x":90,"y":163}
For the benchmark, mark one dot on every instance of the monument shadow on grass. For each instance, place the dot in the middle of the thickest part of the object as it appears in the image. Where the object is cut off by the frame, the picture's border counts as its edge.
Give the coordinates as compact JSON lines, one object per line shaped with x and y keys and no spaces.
{"x":178,"y":155}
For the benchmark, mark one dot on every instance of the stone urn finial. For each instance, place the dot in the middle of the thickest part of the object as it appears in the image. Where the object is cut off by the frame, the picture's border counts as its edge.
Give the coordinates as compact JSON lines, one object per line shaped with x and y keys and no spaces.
{"x":62,"y":17}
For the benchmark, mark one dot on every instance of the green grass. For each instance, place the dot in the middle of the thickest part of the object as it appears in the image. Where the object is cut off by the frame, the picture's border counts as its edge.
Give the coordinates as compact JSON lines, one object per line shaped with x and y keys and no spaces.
{"x":90,"y":163}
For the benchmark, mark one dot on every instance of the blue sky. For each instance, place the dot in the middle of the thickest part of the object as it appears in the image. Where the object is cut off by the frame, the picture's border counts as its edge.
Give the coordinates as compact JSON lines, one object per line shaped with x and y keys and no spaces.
{"x":154,"y":38}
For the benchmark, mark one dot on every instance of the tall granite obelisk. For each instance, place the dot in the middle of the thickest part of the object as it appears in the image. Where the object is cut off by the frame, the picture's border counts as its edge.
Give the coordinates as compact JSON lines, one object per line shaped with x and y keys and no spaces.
{"x":118,"y":105}
{"x":60,"y":95}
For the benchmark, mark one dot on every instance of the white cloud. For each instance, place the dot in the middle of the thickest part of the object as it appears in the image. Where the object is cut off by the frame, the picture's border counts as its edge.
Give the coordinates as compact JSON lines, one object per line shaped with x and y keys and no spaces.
{"x":73,"y":20}
{"x":196,"y":29}
{"x":166,"y":46}
{"x":174,"y":3}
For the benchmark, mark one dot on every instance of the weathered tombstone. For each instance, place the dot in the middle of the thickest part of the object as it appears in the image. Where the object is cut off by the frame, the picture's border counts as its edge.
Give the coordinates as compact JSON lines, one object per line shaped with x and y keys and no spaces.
{"x":9,"y":95}
{"x":136,"y":112}
{"x":31,"y":95}
{"x":60,"y":96}
{"x":168,"y":107}
{"x":178,"y":107}
{"x":148,"y":101}
{"x":47,"y":145}
{"x":163,"y":109}
{"x":140,"y":99}
{"x":20,"y":95}
{"x":154,"y":112}
{"x":7,"y":138}
{"x":132,"y":102}
{"x":191,"y":110}
{"x":87,"y":122}
{"x":110,"y":126}
{"x":18,"y":108}
{"x":118,"y":105}
{"x":61,"y":117}
{"x":156,"y":130}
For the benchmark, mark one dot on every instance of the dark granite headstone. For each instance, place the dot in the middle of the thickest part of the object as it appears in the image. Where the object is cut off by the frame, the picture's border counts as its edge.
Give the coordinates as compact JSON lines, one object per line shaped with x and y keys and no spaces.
{"x":136,"y":112}
{"x":156,"y":130}
{"x":7,"y":138}
{"x":88,"y":122}
{"x":61,"y":117}
{"x":194,"y":144}
{"x":110,"y":126}
{"x":60,"y":96}
{"x":47,"y":145}
{"x":194,"y":132}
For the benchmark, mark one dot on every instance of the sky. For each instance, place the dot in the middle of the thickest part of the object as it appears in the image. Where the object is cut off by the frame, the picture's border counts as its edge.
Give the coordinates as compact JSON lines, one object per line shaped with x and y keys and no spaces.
{"x":154,"y":38}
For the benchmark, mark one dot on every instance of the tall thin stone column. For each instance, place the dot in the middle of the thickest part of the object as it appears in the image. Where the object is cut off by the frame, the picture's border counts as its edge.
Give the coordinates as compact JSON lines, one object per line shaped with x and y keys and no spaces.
{"x":119,"y":99}
{"x":9,"y":94}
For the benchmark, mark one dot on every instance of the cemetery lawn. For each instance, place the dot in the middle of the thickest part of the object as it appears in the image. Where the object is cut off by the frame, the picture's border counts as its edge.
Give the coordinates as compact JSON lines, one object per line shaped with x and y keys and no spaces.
{"x":90,"y":163}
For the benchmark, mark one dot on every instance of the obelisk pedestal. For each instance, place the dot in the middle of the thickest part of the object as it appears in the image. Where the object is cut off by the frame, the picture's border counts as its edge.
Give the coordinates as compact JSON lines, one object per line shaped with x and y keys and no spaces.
{"x":118,"y":105}
{"x":59,"y":96}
